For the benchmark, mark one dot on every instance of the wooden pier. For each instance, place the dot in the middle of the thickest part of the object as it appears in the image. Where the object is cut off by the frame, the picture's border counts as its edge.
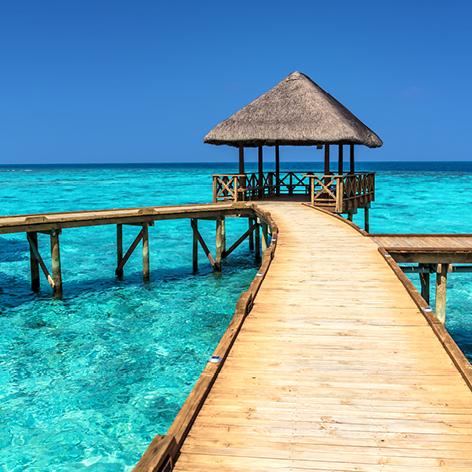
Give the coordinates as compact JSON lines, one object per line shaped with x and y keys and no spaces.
{"x":52,"y":224}
{"x":339,"y":365}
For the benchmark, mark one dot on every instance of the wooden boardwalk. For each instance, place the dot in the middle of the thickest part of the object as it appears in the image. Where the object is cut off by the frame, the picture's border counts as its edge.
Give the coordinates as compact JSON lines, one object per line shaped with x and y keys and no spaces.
{"x":446,"y":242}
{"x":335,"y":368}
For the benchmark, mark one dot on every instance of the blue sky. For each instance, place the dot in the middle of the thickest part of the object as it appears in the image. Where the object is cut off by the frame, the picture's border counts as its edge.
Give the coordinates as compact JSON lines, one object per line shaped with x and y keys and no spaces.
{"x":124,"y":81}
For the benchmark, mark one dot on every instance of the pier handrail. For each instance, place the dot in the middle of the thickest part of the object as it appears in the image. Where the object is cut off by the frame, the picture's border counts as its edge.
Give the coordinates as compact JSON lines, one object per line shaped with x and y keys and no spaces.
{"x":340,"y":193}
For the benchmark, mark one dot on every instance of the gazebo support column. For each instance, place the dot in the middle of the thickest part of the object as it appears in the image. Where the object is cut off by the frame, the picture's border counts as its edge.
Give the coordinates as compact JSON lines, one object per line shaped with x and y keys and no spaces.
{"x":351,"y":159}
{"x":261,"y":171}
{"x":241,"y":159}
{"x":277,"y":169}
{"x":242,"y":182}
{"x":326,"y":159}
{"x":340,"y":159}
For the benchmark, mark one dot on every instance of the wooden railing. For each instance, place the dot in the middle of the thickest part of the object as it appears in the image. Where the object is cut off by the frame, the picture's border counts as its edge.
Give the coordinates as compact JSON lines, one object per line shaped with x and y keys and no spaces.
{"x":229,"y":187}
{"x":342,"y":193}
{"x":339,"y":193}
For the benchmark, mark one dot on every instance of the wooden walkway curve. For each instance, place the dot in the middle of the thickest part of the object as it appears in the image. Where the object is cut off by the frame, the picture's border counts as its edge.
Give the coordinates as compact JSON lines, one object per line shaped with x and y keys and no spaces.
{"x":334,"y":369}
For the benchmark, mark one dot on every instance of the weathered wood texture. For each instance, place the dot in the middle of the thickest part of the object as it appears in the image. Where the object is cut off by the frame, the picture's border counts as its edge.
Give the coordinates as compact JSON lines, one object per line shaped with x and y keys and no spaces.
{"x":76,"y":219}
{"x":427,"y":248}
{"x":335,"y":368}
{"x":163,"y":450}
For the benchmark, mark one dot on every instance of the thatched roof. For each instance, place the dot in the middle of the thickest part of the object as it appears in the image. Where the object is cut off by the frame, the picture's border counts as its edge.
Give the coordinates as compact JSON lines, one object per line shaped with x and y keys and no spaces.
{"x":295,"y":112}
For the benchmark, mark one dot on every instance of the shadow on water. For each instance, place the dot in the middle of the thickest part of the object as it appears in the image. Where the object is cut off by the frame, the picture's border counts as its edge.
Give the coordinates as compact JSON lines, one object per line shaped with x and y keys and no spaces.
{"x":13,"y":250}
{"x":15,"y":290}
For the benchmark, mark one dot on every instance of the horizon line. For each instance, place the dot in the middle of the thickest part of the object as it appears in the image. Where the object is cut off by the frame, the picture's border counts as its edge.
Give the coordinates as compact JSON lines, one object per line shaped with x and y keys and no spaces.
{"x":223,"y":162}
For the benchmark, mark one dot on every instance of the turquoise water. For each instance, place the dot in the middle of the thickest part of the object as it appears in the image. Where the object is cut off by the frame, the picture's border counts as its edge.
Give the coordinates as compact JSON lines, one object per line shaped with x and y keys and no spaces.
{"x":86,"y":382}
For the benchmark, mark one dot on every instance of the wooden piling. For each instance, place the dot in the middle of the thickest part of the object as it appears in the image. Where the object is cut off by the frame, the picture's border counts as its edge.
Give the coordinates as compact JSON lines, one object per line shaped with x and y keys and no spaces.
{"x":56,"y":263}
{"x":441,"y":289}
{"x":34,"y":264}
{"x":194,"y":224}
{"x":265,"y":237}
{"x":424,"y":281}
{"x":366,"y":218}
{"x":119,"y":250}
{"x":220,"y":242}
{"x":257,"y":243}
{"x":251,"y":222}
{"x":146,"y":270}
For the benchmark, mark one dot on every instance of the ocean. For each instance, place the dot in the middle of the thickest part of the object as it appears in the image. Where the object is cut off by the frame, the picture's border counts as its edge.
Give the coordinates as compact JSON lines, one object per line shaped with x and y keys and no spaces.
{"x":87,"y":381}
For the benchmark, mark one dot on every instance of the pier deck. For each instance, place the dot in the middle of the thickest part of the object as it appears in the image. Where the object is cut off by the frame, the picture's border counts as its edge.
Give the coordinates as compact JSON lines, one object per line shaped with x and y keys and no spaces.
{"x":335,"y":368}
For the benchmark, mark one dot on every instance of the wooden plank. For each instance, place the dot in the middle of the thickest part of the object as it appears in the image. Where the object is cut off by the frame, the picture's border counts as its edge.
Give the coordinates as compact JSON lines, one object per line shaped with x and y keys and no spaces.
{"x":77,"y":219}
{"x":160,"y":452}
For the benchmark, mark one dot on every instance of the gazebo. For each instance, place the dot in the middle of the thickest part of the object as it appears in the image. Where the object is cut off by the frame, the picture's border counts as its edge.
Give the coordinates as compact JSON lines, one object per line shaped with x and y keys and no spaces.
{"x":296,"y":112}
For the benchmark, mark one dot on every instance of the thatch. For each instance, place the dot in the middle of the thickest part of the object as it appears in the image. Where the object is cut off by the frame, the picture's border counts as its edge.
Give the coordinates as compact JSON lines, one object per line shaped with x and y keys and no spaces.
{"x":295,"y":112}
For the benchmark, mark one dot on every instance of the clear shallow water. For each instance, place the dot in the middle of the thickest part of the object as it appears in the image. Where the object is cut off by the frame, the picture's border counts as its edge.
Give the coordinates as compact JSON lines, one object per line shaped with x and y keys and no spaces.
{"x":86,"y":382}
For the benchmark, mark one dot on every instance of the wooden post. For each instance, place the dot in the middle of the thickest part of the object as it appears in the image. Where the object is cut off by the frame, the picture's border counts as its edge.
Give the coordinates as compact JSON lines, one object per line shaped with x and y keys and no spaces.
{"x":340,"y":159}
{"x":56,"y":263}
{"x":441,"y":287}
{"x":265,"y":237}
{"x":277,"y":169}
{"x":119,"y":250}
{"x":220,"y":242}
{"x":215,"y":189}
{"x":260,"y":170}
{"x":366,"y":218}
{"x":326,"y":160}
{"x":34,"y":264}
{"x":241,"y":159}
{"x":145,"y":252}
{"x":194,"y":223}
{"x":349,"y":215}
{"x":250,"y":222}
{"x":351,"y":159}
{"x":424,"y":281}
{"x":257,"y":233}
